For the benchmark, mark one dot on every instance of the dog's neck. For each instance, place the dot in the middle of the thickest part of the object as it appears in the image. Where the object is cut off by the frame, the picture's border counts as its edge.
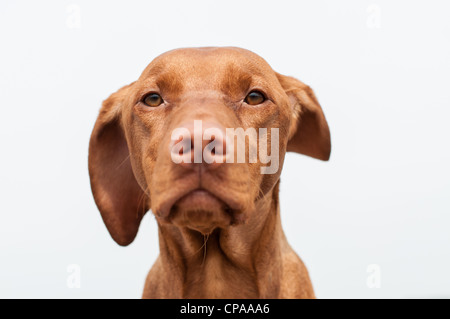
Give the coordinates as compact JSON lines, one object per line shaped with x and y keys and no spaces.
{"x":242,"y":261}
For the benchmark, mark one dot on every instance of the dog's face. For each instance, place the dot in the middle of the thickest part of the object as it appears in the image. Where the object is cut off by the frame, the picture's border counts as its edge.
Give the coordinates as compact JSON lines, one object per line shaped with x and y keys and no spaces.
{"x":164,"y":142}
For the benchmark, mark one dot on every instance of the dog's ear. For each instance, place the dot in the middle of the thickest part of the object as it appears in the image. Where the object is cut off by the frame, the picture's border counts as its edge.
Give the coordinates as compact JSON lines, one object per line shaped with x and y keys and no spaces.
{"x":309,"y":133}
{"x":118,"y":196}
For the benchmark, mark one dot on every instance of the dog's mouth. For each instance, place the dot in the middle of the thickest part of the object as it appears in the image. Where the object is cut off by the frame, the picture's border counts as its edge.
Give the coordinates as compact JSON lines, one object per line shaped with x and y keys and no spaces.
{"x":203,"y":211}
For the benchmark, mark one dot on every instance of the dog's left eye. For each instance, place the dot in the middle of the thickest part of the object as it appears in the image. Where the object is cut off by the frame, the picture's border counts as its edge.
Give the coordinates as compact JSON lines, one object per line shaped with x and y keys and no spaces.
{"x":255,"y":98}
{"x":153,"y":100}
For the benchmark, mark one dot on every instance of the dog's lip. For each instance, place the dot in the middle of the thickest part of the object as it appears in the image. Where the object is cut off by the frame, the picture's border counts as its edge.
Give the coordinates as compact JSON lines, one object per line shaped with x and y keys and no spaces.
{"x":229,"y":201}
{"x":199,"y":193}
{"x":200,"y":199}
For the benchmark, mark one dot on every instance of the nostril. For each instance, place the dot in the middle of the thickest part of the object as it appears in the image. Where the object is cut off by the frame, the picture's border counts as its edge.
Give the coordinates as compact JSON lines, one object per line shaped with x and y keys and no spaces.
{"x":202,"y":142}
{"x":213,"y":151}
{"x":182,"y":151}
{"x":180,"y":148}
{"x":186,"y":148}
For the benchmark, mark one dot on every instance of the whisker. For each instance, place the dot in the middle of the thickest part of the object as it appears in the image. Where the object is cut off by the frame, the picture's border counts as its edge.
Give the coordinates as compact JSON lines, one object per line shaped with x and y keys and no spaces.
{"x":123,"y":162}
{"x":201,"y":248}
{"x":139,"y":203}
{"x":205,"y":238}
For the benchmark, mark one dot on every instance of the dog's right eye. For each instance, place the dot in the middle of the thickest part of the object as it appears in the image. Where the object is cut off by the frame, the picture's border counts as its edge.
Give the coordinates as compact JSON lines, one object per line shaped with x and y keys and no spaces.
{"x":153,"y":100}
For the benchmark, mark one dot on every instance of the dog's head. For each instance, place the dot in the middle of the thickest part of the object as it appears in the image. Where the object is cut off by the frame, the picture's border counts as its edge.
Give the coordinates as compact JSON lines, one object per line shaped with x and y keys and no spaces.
{"x":199,"y":138}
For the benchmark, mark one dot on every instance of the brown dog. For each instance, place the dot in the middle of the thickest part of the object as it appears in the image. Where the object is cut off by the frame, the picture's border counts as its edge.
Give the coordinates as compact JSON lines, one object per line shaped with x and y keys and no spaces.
{"x":219,"y":224}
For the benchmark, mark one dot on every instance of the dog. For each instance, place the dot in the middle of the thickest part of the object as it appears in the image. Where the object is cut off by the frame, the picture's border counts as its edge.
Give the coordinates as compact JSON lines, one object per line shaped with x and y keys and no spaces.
{"x":219,"y":225}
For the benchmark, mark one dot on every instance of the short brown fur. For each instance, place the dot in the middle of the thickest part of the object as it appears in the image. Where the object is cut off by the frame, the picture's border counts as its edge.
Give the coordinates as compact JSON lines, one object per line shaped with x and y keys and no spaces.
{"x":243,"y":255}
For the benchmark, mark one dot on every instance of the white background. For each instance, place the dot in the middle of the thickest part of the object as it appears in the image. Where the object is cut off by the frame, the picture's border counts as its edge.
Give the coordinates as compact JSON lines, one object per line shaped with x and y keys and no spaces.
{"x":381,"y":70}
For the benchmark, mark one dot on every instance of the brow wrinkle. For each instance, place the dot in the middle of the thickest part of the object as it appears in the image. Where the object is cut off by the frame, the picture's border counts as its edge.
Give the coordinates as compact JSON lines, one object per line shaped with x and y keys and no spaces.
{"x":170,"y":82}
{"x":235,"y":81}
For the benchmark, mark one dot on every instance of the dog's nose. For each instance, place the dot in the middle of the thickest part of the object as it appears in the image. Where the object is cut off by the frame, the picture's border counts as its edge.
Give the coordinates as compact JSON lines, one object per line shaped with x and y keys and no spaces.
{"x":199,"y":142}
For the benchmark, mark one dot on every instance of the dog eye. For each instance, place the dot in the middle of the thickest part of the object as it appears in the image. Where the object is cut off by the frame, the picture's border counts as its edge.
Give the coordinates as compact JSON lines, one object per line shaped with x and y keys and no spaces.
{"x":255,"y":98}
{"x":153,"y":100}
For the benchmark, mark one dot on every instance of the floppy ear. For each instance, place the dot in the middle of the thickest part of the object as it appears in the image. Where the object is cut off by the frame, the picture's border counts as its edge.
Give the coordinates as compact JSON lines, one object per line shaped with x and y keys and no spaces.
{"x":118,"y":196}
{"x":309,"y":132}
